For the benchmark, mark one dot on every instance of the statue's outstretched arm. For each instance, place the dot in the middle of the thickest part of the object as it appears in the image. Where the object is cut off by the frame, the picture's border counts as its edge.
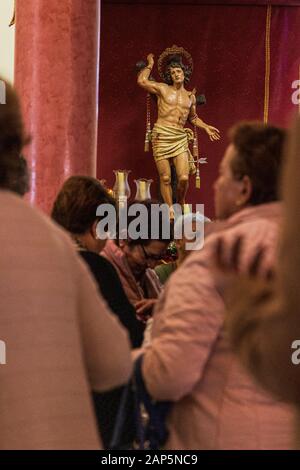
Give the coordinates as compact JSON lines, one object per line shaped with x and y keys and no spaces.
{"x":212,"y":132}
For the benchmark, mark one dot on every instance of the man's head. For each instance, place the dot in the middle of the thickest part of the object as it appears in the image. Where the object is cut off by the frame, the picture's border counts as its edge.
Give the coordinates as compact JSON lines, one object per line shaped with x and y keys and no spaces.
{"x":250,"y":168}
{"x":12,"y":136}
{"x":147,"y":250}
{"x":177,"y":72}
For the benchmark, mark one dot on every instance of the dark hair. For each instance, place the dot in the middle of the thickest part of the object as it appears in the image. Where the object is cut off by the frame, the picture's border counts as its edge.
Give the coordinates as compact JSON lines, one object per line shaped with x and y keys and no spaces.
{"x":76,"y":204}
{"x":177,"y":63}
{"x":19,"y":182}
{"x":12,"y":136}
{"x":163,"y":236}
{"x":259,"y":152}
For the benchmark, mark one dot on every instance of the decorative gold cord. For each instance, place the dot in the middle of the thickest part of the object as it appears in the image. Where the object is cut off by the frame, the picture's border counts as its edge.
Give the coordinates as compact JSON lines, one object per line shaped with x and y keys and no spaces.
{"x":148,"y":125}
{"x":268,"y":62}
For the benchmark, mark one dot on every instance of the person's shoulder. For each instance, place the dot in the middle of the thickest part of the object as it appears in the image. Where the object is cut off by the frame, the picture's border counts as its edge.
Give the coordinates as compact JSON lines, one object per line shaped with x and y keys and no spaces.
{"x":255,"y":229}
{"x":14,"y":208}
{"x":98,"y":261}
{"x":165,"y":268}
{"x":32,"y":234}
{"x":15,"y":211}
{"x":94,"y":258}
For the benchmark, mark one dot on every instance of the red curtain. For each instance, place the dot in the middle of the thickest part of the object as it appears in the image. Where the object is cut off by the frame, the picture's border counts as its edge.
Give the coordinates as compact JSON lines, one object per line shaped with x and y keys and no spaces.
{"x":207,"y":2}
{"x":231,"y":67}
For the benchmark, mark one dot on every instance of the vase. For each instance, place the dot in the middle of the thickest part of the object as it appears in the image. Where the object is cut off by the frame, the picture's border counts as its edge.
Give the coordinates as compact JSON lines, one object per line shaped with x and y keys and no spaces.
{"x":121,"y":187}
{"x":143,"y":189}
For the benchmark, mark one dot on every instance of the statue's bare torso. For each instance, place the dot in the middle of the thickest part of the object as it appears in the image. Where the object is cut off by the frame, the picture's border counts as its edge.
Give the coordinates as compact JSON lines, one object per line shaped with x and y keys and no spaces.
{"x":173,"y":106}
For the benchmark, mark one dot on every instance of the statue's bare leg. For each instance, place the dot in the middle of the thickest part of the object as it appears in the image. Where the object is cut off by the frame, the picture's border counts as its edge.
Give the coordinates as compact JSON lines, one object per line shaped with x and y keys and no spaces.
{"x":181,"y":163}
{"x":164,"y":171}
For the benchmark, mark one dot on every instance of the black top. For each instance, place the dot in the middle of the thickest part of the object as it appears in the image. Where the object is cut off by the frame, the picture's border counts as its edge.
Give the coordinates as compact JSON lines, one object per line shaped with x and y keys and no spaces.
{"x":107,"y":404}
{"x":112,"y":290}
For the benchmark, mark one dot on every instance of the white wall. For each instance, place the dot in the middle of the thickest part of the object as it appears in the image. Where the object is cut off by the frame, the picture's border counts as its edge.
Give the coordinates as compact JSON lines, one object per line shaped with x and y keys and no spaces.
{"x":7,"y":40}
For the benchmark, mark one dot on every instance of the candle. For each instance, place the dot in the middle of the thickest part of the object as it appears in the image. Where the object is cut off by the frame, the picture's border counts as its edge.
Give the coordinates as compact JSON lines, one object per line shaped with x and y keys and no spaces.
{"x":121,"y":184}
{"x":143,"y":190}
{"x":186,"y":209}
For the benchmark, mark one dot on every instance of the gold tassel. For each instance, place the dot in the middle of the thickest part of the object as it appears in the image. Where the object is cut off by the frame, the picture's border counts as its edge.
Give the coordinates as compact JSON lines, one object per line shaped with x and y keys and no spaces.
{"x":148,"y":126}
{"x":196,"y":157}
{"x":195,"y":144}
{"x":147,"y":143}
{"x":198,"y":179}
{"x":195,"y":148}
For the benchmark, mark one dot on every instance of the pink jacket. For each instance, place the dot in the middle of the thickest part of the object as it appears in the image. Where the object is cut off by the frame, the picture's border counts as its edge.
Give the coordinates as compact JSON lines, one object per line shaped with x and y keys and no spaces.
{"x":217,"y":403}
{"x":265,"y":340}
{"x":61,"y":339}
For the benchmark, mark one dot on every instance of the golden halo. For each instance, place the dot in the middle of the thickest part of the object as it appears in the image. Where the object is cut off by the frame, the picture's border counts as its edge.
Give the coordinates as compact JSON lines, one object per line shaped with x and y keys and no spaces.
{"x":167,"y":54}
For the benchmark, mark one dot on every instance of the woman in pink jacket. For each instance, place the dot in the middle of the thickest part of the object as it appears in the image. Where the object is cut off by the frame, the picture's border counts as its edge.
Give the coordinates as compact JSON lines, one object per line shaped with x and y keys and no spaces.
{"x":217,"y":404}
{"x":263,"y":312}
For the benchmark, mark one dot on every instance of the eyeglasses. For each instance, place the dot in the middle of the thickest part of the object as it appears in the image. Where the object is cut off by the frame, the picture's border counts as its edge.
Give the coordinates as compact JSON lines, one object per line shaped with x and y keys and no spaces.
{"x":153,"y":257}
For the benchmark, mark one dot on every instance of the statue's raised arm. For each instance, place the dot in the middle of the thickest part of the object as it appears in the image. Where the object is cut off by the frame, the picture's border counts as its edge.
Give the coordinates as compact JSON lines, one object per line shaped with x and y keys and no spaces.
{"x":143,"y":77}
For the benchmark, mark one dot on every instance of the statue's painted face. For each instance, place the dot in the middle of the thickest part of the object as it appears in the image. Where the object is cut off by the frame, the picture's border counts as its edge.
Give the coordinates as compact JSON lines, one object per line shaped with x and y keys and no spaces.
{"x":177,"y":74}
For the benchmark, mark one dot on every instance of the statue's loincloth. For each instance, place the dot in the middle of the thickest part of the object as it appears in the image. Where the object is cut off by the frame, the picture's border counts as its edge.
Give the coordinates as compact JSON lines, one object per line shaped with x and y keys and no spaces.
{"x":169,"y":142}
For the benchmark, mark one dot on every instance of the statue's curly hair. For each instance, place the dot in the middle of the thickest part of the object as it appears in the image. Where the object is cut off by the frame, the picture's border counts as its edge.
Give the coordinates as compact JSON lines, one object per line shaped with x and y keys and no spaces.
{"x":176,"y":62}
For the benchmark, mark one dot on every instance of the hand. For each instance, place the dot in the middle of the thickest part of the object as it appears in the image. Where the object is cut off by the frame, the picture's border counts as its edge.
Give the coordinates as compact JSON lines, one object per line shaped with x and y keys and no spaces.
{"x":150,"y":58}
{"x":226,"y":268}
{"x":213,"y":133}
{"x":144,"y":309}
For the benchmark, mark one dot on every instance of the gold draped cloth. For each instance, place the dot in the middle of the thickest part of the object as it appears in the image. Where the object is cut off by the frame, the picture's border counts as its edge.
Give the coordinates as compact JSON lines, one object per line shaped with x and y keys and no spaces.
{"x":169,"y":142}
